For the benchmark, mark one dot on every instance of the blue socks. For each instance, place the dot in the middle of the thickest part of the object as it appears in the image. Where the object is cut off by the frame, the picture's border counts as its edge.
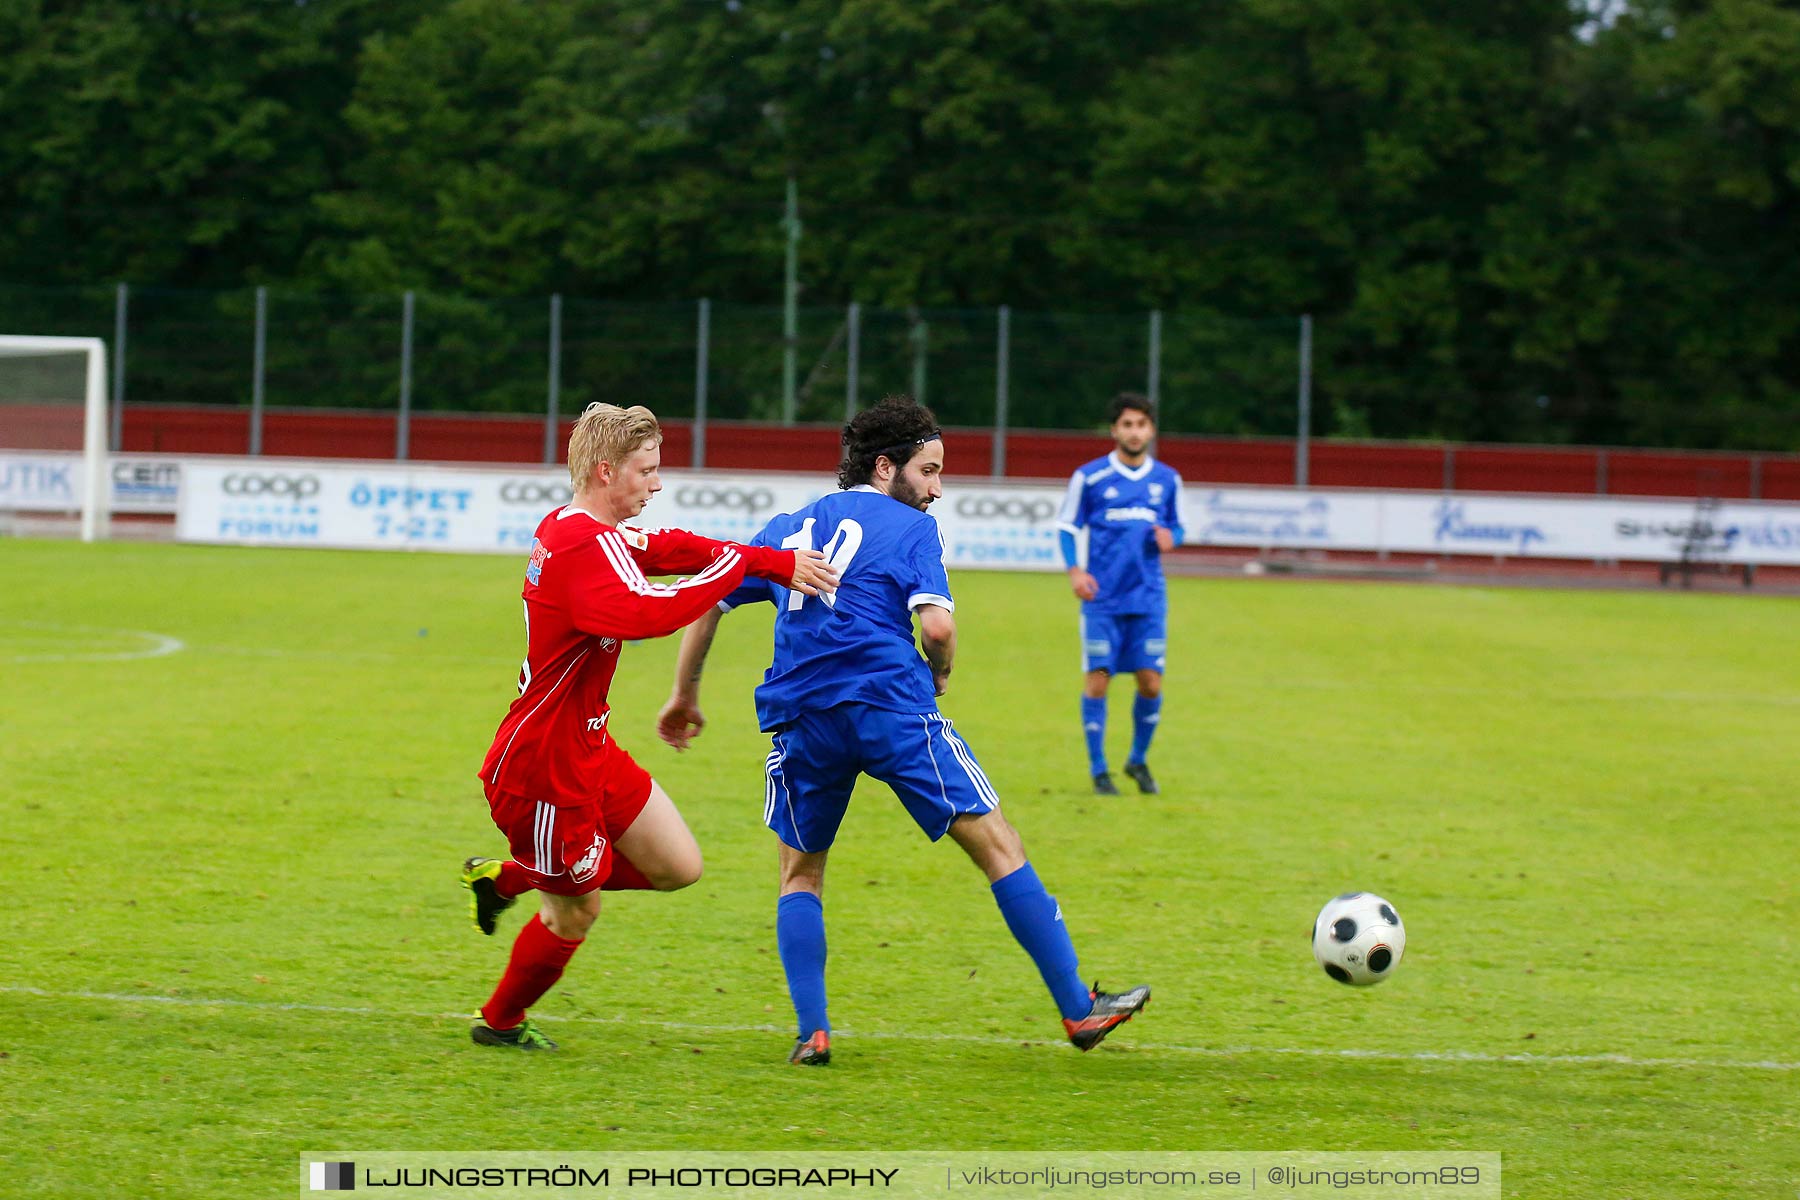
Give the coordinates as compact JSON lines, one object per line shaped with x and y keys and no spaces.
{"x":1031,"y":914}
{"x":1036,"y":921}
{"x":1093,"y":724}
{"x":800,"y":935}
{"x":1145,"y":712}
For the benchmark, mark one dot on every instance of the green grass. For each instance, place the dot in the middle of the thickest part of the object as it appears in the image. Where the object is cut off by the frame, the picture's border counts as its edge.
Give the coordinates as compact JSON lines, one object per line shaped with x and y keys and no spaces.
{"x":1583,"y":805}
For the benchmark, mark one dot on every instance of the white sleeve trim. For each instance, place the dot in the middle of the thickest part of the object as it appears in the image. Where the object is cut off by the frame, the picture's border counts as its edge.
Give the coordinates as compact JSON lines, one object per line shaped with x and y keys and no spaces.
{"x":626,"y":568}
{"x":1071,"y":507}
{"x":920,"y":598}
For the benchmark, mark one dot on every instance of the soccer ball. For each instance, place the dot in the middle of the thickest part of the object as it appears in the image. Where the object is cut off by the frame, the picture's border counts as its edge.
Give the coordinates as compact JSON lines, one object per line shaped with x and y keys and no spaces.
{"x":1358,"y":938}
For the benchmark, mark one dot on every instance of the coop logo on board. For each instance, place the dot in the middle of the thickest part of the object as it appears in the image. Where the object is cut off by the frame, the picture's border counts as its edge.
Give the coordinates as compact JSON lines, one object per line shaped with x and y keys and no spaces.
{"x":1005,"y":508}
{"x":270,"y":506}
{"x":275,"y":486}
{"x":750,"y":500}
{"x":532,"y":491}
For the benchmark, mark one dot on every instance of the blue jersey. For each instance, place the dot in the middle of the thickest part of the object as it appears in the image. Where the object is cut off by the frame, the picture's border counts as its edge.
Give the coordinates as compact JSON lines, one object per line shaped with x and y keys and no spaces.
{"x":1120,"y":507}
{"x":855,"y":646}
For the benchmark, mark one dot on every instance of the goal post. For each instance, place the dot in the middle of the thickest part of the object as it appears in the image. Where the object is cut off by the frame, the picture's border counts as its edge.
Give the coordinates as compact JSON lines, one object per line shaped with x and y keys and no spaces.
{"x":18,"y":433}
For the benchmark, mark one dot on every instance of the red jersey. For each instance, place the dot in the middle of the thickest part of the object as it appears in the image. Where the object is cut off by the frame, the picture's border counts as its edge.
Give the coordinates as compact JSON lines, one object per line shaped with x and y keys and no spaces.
{"x":585,"y":592}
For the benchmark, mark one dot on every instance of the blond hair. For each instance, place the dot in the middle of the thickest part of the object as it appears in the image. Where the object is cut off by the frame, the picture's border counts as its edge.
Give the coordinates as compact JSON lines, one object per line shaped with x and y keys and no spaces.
{"x":608,"y":433}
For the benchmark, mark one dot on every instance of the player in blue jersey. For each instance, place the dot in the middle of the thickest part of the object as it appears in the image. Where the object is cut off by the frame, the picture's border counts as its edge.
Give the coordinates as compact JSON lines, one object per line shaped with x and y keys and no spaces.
{"x":1130,"y":505}
{"x":849,"y":694}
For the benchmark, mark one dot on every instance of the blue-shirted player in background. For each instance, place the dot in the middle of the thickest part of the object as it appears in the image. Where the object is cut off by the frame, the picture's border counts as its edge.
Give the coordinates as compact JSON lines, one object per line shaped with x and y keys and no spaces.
{"x":1130,"y":505}
{"x":849,"y":694}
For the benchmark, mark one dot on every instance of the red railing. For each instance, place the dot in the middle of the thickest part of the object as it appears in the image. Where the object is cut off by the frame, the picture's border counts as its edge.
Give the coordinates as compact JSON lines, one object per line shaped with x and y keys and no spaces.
{"x":438,"y":437}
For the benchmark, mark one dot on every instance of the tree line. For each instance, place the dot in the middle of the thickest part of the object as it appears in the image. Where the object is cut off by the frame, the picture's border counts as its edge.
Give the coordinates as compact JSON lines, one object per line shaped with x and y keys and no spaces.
{"x":1515,"y":220}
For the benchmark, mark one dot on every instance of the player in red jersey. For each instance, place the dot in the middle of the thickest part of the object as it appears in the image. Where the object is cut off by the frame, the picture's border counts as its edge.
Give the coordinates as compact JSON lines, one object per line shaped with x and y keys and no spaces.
{"x":578,"y":813}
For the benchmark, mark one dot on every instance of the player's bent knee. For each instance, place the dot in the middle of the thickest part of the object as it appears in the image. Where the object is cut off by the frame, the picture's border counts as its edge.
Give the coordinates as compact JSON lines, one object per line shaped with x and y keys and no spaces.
{"x":1012,"y":844}
{"x":676,"y":873}
{"x":570,"y":917}
{"x":991,"y":843}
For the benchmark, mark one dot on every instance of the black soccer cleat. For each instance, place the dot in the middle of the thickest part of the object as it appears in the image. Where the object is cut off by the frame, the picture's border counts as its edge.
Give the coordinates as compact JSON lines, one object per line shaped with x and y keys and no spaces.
{"x":1110,"y":1010}
{"x":524,"y":1036}
{"x":486,"y":903}
{"x":814,"y":1051}
{"x":1104,"y":786}
{"x":1140,"y":772}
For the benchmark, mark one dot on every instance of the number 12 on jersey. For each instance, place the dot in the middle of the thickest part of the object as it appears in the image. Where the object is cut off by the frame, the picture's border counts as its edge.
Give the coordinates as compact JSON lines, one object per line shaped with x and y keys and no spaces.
{"x":839,"y":549}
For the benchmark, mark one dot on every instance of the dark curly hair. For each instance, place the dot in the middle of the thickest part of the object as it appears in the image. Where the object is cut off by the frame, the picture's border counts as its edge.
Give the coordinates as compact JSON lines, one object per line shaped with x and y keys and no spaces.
{"x":1126,"y":401}
{"x":896,"y":428}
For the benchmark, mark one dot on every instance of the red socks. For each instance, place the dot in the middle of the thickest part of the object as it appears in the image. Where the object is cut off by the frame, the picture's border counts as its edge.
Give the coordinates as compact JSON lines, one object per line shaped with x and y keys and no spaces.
{"x":539,"y":956}
{"x":537,"y":962}
{"x":625,"y":877}
{"x":513,"y":880}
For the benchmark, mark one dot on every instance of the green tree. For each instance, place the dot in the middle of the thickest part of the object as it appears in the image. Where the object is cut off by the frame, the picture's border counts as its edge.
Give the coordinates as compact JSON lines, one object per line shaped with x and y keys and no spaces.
{"x":530,"y":147}
{"x":1337,"y":157}
{"x":1693,"y":115}
{"x":1511,"y":221}
{"x":173,"y":143}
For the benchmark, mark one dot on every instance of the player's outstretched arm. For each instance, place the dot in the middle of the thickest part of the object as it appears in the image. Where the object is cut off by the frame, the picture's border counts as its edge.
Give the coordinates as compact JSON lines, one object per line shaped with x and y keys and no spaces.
{"x":937,"y":637}
{"x":671,"y":551}
{"x":668,"y":551}
{"x":681,"y":720}
{"x":612,"y":598}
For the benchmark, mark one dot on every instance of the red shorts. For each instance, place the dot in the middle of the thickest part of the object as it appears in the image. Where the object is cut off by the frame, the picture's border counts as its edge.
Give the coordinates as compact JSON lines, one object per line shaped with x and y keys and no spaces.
{"x":567,"y":849}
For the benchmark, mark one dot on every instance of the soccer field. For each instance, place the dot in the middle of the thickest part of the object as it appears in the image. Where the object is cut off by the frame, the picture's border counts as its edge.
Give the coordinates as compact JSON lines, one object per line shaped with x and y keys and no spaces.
{"x":238,"y":785}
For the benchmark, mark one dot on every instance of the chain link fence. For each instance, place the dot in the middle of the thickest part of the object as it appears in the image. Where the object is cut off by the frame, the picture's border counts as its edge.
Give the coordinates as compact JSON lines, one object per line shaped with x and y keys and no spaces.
{"x":278,"y":348}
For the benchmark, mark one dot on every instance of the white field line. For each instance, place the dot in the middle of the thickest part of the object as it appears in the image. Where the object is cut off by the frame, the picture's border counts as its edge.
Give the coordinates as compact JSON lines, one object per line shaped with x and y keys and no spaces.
{"x":158,"y":645}
{"x":1449,"y":1056}
{"x":500,"y":662}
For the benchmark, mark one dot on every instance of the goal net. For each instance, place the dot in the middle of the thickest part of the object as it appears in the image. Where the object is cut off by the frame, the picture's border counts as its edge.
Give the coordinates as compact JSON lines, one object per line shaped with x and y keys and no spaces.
{"x":53,"y":449}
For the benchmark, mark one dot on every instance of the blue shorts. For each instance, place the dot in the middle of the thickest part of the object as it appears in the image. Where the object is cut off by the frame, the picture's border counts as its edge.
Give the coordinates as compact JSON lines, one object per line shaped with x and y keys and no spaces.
{"x":815,"y":761}
{"x":1123,"y":642}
